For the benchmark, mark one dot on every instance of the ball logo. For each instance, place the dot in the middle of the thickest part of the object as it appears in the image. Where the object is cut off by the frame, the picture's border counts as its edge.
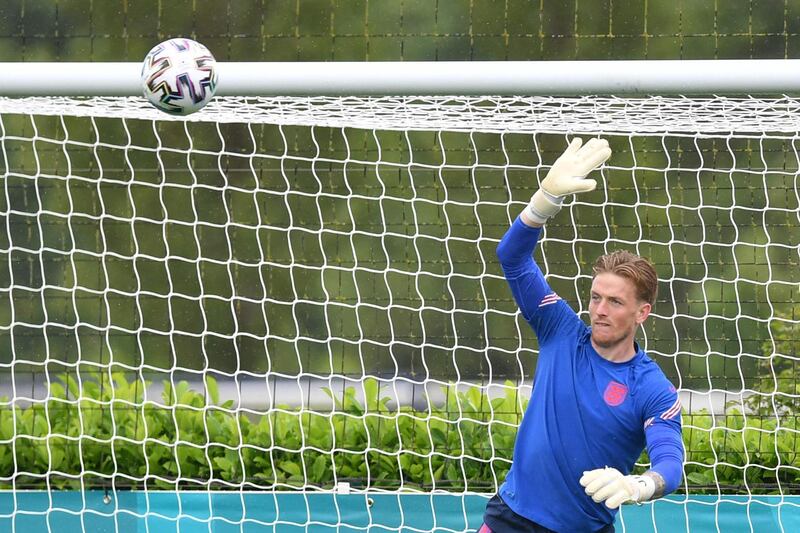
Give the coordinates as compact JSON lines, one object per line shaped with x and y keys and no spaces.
{"x":615,"y":393}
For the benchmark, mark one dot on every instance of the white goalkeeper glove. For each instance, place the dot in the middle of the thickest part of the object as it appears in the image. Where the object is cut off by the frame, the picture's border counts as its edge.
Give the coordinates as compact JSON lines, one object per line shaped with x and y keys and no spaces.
{"x":568,"y":176}
{"x":610,"y":486}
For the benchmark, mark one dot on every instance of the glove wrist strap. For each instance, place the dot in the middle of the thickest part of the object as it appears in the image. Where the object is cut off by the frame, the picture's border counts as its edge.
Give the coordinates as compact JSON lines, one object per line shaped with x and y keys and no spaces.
{"x":544,"y":205}
{"x":645,"y":488}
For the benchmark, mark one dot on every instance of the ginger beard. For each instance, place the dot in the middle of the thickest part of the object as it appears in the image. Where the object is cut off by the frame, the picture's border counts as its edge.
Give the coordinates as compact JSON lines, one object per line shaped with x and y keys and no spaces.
{"x":615,"y":311}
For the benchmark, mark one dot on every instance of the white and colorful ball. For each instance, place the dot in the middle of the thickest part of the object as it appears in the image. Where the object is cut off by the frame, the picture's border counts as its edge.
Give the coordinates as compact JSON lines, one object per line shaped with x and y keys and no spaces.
{"x":179,"y":76}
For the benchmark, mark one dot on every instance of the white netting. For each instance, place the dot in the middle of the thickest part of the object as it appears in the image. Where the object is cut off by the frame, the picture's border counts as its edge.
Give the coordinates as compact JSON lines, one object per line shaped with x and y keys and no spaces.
{"x":458,"y":113}
{"x":270,"y":248}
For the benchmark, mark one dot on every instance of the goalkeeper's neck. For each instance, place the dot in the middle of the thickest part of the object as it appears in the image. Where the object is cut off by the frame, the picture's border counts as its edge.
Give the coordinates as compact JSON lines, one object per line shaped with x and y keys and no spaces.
{"x":621,"y":352}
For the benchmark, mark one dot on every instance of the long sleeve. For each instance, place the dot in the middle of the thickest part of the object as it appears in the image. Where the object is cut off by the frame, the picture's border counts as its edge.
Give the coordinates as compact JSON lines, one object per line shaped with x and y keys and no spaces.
{"x":524,"y":277}
{"x":663,"y":434}
{"x":665,"y":448}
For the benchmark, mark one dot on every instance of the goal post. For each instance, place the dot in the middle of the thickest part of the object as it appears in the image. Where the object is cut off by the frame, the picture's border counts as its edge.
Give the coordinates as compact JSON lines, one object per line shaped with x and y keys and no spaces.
{"x":286,"y":310}
{"x":346,"y":78}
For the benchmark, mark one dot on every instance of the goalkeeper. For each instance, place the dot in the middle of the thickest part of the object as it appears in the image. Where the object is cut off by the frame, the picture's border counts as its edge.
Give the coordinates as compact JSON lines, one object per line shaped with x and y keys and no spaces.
{"x":597,"y":398}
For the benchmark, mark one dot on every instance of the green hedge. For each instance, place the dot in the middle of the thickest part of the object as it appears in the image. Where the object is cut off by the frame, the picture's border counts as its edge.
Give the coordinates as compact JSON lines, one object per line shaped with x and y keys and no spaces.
{"x":193,"y":440}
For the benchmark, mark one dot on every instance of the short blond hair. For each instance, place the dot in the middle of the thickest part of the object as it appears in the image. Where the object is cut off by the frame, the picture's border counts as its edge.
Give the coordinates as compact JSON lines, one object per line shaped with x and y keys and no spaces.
{"x":638,"y":270}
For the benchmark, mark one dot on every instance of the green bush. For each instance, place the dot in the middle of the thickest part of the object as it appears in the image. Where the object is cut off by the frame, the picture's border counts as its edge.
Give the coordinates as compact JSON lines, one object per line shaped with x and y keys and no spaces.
{"x":90,"y":433}
{"x":102,"y":429}
{"x":753,"y":447}
{"x":741,"y":453}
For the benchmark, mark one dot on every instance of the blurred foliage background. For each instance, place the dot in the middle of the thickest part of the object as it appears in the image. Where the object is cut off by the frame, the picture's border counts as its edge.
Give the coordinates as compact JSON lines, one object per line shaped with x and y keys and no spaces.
{"x":214,"y":295}
{"x":425,"y":30}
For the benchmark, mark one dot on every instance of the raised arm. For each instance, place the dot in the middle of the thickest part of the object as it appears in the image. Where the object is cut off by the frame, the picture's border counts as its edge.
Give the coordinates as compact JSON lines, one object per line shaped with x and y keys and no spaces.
{"x":566,"y":176}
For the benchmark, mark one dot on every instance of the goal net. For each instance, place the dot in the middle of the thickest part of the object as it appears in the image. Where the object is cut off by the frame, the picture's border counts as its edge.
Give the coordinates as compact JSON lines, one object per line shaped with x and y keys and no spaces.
{"x":299,"y":298}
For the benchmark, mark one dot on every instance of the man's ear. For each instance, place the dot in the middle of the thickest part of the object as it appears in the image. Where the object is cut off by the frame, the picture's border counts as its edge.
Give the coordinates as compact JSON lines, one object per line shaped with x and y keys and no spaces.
{"x":643,"y":313}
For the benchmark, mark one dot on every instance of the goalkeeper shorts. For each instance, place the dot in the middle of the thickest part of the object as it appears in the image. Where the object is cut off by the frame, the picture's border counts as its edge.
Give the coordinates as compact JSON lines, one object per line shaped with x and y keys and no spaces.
{"x":499,"y":518}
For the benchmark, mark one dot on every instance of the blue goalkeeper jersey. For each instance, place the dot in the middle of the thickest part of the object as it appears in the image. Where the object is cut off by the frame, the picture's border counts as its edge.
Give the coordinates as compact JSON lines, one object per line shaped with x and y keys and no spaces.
{"x":585,"y":412}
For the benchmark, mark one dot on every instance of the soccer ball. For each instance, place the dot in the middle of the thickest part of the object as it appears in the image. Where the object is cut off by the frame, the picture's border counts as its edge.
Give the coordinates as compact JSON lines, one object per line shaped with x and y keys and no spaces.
{"x":179,"y":76}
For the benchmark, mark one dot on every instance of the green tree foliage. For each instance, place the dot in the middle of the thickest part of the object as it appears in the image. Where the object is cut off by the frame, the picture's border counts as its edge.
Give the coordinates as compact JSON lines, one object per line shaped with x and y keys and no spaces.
{"x":164,"y":205}
{"x":412,"y":30}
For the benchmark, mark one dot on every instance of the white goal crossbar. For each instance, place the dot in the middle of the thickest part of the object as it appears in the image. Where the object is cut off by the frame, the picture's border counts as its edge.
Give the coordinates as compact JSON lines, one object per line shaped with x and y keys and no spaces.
{"x":425,"y":78}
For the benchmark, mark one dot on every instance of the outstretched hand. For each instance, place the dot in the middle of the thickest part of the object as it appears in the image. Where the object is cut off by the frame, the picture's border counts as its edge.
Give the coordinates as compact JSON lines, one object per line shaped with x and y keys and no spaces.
{"x":568,"y":173}
{"x":567,"y":176}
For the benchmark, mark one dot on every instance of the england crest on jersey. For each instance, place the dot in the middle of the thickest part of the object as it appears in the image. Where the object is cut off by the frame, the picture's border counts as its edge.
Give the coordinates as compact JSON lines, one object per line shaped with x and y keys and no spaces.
{"x":615,"y":393}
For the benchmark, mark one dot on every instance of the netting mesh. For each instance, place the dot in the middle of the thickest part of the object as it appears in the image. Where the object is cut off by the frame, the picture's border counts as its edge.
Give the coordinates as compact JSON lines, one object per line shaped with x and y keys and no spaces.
{"x":290,"y":293}
{"x":654,"y":115}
